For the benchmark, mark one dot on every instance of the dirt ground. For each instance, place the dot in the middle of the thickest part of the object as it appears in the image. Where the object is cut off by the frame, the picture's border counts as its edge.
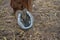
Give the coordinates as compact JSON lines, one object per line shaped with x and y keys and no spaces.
{"x":46,"y":24}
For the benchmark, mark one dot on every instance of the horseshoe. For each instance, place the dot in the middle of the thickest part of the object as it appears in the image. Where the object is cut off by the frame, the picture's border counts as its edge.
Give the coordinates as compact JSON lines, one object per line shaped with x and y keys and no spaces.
{"x":24,"y":25}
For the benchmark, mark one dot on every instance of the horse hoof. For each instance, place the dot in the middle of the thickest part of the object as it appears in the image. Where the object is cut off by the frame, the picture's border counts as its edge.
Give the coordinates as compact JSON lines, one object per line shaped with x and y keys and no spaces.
{"x":24,"y":25}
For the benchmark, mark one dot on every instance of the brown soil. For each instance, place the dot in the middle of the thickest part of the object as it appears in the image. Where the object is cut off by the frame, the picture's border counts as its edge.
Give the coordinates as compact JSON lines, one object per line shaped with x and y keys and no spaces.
{"x":46,"y":26}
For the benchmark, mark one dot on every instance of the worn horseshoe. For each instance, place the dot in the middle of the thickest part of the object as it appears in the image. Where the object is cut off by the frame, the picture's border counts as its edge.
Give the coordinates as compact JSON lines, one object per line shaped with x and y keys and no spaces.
{"x":31,"y":20}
